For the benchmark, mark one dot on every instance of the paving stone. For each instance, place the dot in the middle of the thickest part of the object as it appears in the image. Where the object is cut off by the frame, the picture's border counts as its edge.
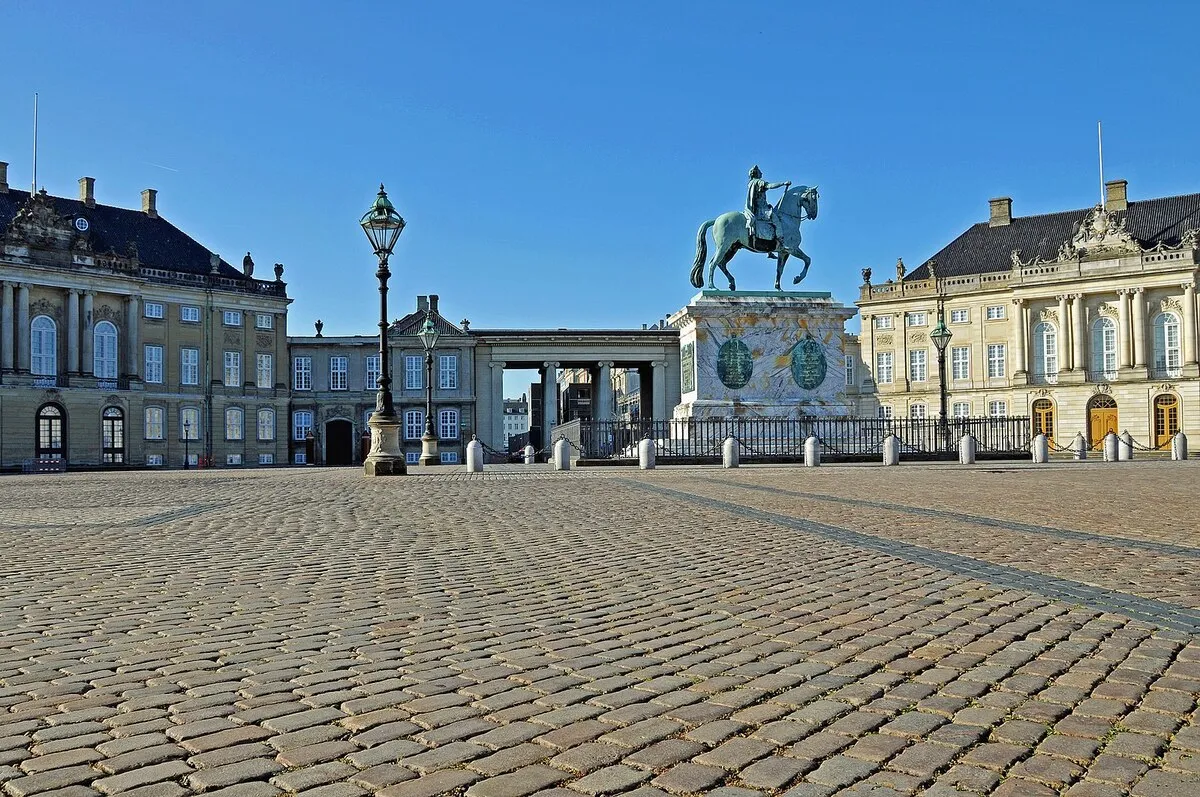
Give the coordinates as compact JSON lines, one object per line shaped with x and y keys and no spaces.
{"x":297,"y":780}
{"x":229,"y":774}
{"x":689,"y":778}
{"x":525,"y":781}
{"x":144,"y":776}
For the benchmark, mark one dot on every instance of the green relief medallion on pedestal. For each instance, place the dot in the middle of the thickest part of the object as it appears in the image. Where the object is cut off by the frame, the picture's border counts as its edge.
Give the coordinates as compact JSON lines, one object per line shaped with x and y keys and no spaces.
{"x":687,"y":367}
{"x":808,"y":364}
{"x":735,"y":364}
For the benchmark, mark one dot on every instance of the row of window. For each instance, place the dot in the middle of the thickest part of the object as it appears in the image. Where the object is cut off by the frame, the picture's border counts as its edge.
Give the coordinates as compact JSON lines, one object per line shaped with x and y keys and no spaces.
{"x":156,"y":460}
{"x":414,"y":424}
{"x":189,"y":423}
{"x":410,"y":457}
{"x":960,"y":409}
{"x":920,"y":318}
{"x":960,"y":364}
{"x":339,"y":372}
{"x":189,"y":367}
{"x":190,"y":314}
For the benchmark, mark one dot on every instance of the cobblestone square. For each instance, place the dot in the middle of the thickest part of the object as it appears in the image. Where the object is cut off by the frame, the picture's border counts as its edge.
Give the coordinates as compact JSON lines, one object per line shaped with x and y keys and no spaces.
{"x":852,"y":630}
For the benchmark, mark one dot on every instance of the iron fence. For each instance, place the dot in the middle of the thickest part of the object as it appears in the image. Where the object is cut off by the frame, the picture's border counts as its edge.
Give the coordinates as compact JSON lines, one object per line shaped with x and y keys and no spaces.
{"x":783,"y":438}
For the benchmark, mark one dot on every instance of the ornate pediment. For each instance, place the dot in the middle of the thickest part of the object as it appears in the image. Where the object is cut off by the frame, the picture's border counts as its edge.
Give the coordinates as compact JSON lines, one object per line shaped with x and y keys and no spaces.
{"x":39,"y":225}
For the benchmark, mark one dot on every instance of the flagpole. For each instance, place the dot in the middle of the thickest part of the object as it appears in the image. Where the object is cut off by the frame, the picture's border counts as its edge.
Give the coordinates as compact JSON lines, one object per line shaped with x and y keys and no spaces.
{"x":1100,"y":148}
{"x":35,"y":143}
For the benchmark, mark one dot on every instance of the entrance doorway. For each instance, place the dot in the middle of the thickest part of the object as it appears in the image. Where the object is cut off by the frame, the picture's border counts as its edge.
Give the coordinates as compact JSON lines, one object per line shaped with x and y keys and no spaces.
{"x":1102,"y":418}
{"x":339,"y":443}
{"x":51,"y":432}
{"x":112,"y":425}
{"x":1043,"y":418}
{"x":1166,"y":419}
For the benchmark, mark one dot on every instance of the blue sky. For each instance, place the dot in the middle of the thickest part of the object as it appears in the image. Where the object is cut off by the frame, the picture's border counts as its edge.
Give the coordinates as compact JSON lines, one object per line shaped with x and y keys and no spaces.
{"x":554,"y":160}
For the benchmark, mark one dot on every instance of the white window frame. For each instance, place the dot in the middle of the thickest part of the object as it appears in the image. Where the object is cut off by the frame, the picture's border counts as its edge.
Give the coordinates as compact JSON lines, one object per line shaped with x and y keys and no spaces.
{"x":152,"y":353}
{"x":105,"y":345}
{"x":154,"y":460}
{"x":233,"y":368}
{"x":412,"y":457}
{"x":266,"y":459}
{"x":998,"y":408}
{"x":264,"y":321}
{"x":1168,"y":351}
{"x":885,"y":412}
{"x":233,"y":459}
{"x":961,"y":409}
{"x":189,"y":372}
{"x":301,"y":457}
{"x":447,"y":372}
{"x":414,"y":424}
{"x":155,"y":423}
{"x":235,"y":423}
{"x":995,"y":312}
{"x":960,"y":363}
{"x":1104,"y":355}
{"x":264,"y":370}
{"x":448,"y":424}
{"x":917,"y":318}
{"x":960,"y":316}
{"x":302,"y":423}
{"x":265,"y":422}
{"x":302,"y":373}
{"x":1045,"y":350}
{"x":373,"y":372}
{"x":849,"y":359}
{"x":414,"y":372}
{"x":448,"y":457}
{"x":153,"y":310}
{"x":43,"y":346}
{"x":883,"y":321}
{"x":917,"y":411}
{"x":339,"y":372}
{"x":231,"y":318}
{"x":997,"y":365}
{"x":918,"y":365}
{"x":189,"y":314}
{"x":189,"y":415}
{"x":884,"y":367}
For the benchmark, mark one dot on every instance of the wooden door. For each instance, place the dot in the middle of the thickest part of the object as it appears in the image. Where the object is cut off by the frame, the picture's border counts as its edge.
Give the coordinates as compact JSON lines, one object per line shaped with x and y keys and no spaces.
{"x":1101,"y":421}
{"x":1043,"y":418}
{"x":1166,"y":420}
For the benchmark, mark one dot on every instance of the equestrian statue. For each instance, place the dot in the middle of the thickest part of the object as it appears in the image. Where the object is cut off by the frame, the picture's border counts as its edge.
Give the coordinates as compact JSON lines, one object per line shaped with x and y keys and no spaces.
{"x":761,"y":227}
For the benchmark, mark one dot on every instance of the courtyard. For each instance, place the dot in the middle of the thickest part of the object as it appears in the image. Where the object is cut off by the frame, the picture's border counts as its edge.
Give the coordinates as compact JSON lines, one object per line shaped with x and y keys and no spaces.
{"x":1002,"y":629}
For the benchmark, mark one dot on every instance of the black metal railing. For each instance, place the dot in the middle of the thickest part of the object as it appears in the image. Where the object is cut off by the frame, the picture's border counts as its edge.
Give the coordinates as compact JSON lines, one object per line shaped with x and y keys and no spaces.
{"x":783,"y":438}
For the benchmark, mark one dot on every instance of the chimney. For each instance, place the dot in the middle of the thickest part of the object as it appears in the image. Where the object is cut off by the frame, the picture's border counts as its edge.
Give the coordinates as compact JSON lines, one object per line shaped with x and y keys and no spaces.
{"x":148,"y":203}
{"x":1114,"y":195}
{"x":87,"y":191}
{"x":1001,"y":211}
{"x":422,"y":304}
{"x":433,"y":300}
{"x":3,"y":177}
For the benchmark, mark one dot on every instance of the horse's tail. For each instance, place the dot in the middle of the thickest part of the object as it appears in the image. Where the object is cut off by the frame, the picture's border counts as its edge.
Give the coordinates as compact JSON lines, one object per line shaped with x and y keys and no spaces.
{"x":701,"y":254}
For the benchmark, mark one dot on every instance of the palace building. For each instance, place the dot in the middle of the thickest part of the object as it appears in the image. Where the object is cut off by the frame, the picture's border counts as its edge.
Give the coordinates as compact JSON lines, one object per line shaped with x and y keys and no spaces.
{"x":1084,"y":320}
{"x":123,"y":341}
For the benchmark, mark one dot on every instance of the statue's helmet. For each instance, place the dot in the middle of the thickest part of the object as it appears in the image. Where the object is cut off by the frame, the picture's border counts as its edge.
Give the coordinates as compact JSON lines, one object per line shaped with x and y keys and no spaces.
{"x":755,"y":172}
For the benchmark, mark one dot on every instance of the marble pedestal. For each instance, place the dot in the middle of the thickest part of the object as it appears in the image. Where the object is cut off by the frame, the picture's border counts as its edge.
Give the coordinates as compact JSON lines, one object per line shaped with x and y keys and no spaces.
{"x":765,"y":354}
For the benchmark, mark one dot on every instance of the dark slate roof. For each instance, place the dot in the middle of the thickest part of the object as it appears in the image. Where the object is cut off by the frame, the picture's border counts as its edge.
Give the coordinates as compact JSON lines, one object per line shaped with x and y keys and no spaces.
{"x":982,"y":249}
{"x":160,"y":244}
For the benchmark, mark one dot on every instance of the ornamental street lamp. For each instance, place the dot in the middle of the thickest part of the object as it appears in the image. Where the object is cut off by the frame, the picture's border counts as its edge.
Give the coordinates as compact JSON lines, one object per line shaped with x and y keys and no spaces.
{"x":187,"y":435}
{"x":941,"y":339}
{"x":383,"y":226}
{"x":429,"y":442}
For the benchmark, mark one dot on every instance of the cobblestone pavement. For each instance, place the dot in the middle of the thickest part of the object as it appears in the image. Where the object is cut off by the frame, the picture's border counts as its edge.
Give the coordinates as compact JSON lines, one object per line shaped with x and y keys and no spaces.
{"x":856,"y":630}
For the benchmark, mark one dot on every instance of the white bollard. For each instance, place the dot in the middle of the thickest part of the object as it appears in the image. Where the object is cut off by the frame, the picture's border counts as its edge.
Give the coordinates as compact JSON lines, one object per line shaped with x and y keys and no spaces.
{"x":562,"y":454}
{"x":891,"y":450}
{"x":1041,"y":449}
{"x":812,"y":452}
{"x":530,"y":454}
{"x":730,"y":453}
{"x":1125,"y":446}
{"x":966,"y":450}
{"x":1079,"y":446}
{"x":1179,"y":447}
{"x":646,"y":454}
{"x":1110,"y":445}
{"x":474,"y":456}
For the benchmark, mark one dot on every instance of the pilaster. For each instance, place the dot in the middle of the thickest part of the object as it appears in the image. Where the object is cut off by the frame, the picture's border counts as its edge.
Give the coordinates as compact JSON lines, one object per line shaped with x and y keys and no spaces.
{"x":6,"y":326}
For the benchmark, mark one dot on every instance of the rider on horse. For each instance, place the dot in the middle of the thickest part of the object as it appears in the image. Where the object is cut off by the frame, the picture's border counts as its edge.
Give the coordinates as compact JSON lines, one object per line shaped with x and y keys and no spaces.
{"x":758,"y":212}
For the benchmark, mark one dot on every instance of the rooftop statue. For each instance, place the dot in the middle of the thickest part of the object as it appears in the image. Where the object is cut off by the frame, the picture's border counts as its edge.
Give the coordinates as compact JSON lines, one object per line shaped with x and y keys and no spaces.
{"x":761,"y":227}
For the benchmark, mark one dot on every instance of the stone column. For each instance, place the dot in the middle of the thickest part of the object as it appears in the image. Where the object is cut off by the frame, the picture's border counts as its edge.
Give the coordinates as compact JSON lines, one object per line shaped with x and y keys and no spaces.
{"x":604,"y":393}
{"x":1078,"y":336}
{"x":1123,"y":336}
{"x":6,"y":326}
{"x":549,"y":402}
{"x":133,"y":367}
{"x":1019,"y":335}
{"x":497,"y":375}
{"x":23,"y":327}
{"x":1189,"y":323}
{"x":72,"y":331}
{"x":1138,"y":297}
{"x":659,"y":389}
{"x":86,"y":348}
{"x":1064,"y":350}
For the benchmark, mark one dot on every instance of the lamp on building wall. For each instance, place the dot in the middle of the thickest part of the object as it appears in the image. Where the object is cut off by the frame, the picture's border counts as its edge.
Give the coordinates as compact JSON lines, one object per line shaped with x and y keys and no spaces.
{"x":383,"y":226}
{"x":941,"y":339}
{"x":428,"y":335}
{"x":187,"y":435}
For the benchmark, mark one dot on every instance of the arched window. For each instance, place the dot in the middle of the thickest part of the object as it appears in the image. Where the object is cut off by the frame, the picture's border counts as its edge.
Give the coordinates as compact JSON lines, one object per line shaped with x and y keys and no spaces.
{"x":1104,"y":350}
{"x":266,"y":424}
{"x":104,"y":350}
{"x":1045,"y":352}
{"x":43,"y":346}
{"x":112,"y":426}
{"x":234,"y":423}
{"x":50,"y":420}
{"x":155,"y":423}
{"x":414,"y":424}
{"x":1167,"y":359}
{"x":189,"y":423}
{"x":448,"y":424}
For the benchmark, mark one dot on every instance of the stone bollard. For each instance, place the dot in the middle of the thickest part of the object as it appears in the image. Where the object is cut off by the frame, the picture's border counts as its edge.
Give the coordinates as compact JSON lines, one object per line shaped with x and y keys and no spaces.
{"x":562,"y":454}
{"x":966,"y":450}
{"x":1079,"y":446}
{"x":1041,"y":449}
{"x":474,"y":456}
{"x":730,"y":453}
{"x":812,"y":452}
{"x":891,"y":450}
{"x":530,"y":455}
{"x":646,"y":454}
{"x":1125,"y":446}
{"x":1179,"y":447}
{"x":1110,"y":445}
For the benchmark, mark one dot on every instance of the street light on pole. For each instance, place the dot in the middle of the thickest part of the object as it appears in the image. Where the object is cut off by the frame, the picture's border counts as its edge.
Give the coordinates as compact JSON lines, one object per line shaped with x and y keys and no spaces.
{"x":187,"y":435}
{"x":383,"y":226}
{"x":941,"y":339}
{"x":429,"y":442}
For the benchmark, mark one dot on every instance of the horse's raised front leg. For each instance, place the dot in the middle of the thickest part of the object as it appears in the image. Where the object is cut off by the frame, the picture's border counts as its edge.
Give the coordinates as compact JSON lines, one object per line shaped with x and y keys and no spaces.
{"x":783,"y":258}
{"x":807,"y":262}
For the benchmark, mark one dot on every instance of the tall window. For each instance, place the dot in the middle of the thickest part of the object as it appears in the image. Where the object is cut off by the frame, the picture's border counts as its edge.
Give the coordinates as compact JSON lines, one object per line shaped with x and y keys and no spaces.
{"x":339,"y":370}
{"x":302,"y":373}
{"x":1167,"y":357}
{"x":233,"y":368}
{"x":961,"y":409}
{"x":50,"y":432}
{"x":189,"y":366}
{"x":997,"y":409}
{"x":43,"y":341}
{"x":104,"y":351}
{"x":372,"y":372}
{"x":154,"y":369}
{"x":112,"y":433}
{"x":849,"y":369}
{"x":1104,"y":349}
{"x":302,"y":424}
{"x":1045,"y":351}
{"x":264,"y":370}
{"x":155,"y":419}
{"x":996,"y":366}
{"x":918,"y":369}
{"x":883,"y":367}
{"x":266,"y":424}
{"x":448,"y":424}
{"x":414,"y":424}
{"x":234,"y":423}
{"x":916,"y":411}
{"x":448,"y":372}
{"x":413,"y":367}
{"x":189,"y":423}
{"x":960,"y":362}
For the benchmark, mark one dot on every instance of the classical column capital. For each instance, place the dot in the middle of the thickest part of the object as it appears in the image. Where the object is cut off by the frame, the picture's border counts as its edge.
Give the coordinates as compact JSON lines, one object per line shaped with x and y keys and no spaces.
{"x":1018,"y":301}
{"x":658,"y":363}
{"x":90,"y":294}
{"x":1062,"y":297}
{"x":1138,"y":289}
{"x":1076,"y":297}
{"x":72,"y":292}
{"x":605,"y":363}
{"x":549,"y":364}
{"x":497,"y":364}
{"x":1188,"y":286}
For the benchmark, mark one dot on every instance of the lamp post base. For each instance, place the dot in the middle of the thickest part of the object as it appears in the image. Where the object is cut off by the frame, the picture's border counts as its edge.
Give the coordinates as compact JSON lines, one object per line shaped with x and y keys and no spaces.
{"x":385,"y":457}
{"x":429,"y":451}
